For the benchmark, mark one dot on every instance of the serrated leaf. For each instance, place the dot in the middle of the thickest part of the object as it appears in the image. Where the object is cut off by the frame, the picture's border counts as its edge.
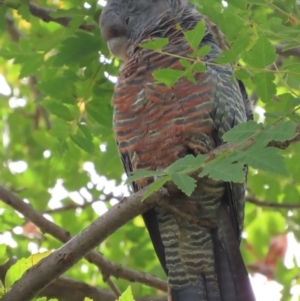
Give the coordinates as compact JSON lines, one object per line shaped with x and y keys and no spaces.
{"x":84,"y":143}
{"x":281,"y":131}
{"x":76,"y":49}
{"x":262,"y":54}
{"x":168,"y":76}
{"x":199,"y":68}
{"x":58,"y":109}
{"x":241,"y":74}
{"x":203,"y":51}
{"x":30,"y":64}
{"x":156,"y":44}
{"x":86,"y":131}
{"x":127,"y":295}
{"x":59,"y":88}
{"x":102,"y":114}
{"x":227,"y":56}
{"x":224,"y":170}
{"x":195,"y":36}
{"x":241,"y":44}
{"x":16,"y":271}
{"x":265,"y":86}
{"x":187,"y":164}
{"x":242,"y":131}
{"x":185,"y":183}
{"x":264,"y":158}
{"x":156,"y":186}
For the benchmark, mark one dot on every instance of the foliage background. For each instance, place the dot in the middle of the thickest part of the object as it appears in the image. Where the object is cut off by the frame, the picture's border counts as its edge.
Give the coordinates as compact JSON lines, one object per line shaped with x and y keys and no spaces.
{"x":56,"y":131}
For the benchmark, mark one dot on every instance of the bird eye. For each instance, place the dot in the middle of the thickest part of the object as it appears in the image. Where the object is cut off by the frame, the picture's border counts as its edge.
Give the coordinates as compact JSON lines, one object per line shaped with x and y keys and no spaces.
{"x":127,"y":20}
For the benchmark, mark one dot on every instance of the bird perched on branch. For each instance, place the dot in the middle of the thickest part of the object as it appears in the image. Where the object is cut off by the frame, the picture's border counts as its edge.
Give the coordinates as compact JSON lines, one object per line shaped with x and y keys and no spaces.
{"x":155,"y":125}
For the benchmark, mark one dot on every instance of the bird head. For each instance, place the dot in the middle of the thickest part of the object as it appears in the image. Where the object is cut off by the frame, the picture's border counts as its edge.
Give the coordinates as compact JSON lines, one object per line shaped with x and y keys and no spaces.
{"x":122,"y":21}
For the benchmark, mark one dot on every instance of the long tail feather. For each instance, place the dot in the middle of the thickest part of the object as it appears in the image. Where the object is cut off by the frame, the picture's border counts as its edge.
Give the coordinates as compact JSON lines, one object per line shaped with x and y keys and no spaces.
{"x":232,"y":283}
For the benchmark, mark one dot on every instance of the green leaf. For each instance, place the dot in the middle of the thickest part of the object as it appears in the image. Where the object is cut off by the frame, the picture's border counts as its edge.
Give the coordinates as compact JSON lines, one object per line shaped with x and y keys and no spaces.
{"x":30,"y":63}
{"x":74,"y":50}
{"x":185,"y":183}
{"x":185,"y":63}
{"x":127,"y":295}
{"x":198,"y":67}
{"x":60,"y":88}
{"x":264,"y":158}
{"x":281,"y":131}
{"x":3,"y":256}
{"x":224,"y":170}
{"x":85,"y":131}
{"x":84,"y":143}
{"x":241,"y":74}
{"x":156,"y":186}
{"x":168,"y":76}
{"x":242,"y":131}
{"x":203,"y":51}
{"x":100,"y":112}
{"x":262,"y":54}
{"x":156,"y":44}
{"x":187,"y":164}
{"x":195,"y":36}
{"x":265,"y":86}
{"x":60,"y":129}
{"x":16,"y":271}
{"x":227,"y":56}
{"x":58,"y":109}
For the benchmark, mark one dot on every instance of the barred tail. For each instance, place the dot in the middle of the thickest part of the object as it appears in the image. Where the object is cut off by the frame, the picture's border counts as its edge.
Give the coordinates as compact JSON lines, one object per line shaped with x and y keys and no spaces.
{"x":233,"y":283}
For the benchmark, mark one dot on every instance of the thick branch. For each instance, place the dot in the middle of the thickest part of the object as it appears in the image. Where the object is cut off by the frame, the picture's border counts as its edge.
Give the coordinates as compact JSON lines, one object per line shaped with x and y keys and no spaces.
{"x":255,"y":201}
{"x":38,"y":277}
{"x":65,"y":289}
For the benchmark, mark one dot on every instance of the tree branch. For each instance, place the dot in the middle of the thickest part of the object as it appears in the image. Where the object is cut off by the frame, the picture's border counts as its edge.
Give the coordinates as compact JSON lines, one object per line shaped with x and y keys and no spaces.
{"x":107,"y":267}
{"x":45,"y":15}
{"x":41,"y":275}
{"x":65,"y":289}
{"x":59,"y":261}
{"x":255,"y":201}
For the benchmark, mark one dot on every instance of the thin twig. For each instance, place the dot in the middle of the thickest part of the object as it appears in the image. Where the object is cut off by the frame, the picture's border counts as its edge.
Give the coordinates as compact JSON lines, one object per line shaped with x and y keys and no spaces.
{"x":255,"y":201}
